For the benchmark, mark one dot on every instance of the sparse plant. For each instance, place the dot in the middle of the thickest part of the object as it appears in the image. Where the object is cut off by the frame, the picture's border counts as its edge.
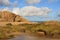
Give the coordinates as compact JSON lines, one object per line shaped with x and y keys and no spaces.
{"x":9,"y":24}
{"x":0,"y":16}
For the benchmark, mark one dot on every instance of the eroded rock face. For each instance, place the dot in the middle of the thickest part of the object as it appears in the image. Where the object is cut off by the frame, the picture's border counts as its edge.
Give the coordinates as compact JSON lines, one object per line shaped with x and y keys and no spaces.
{"x":6,"y":16}
{"x":20,"y":19}
{"x":2,"y":20}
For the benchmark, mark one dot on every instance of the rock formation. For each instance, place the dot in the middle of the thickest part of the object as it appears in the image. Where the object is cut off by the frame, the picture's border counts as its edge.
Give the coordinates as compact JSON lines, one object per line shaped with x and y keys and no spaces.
{"x":6,"y":16}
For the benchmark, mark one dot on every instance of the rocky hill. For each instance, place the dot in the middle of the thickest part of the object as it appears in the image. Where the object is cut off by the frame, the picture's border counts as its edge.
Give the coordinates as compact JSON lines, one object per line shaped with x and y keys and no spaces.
{"x":6,"y":16}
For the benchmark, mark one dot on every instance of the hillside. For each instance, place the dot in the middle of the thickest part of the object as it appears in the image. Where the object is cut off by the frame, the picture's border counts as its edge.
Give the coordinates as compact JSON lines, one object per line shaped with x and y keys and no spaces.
{"x":48,"y":29}
{"x":6,"y":16}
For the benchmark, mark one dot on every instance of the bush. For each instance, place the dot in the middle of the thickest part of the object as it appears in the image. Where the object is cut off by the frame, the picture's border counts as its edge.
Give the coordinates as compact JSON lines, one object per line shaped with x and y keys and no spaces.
{"x":9,"y":24}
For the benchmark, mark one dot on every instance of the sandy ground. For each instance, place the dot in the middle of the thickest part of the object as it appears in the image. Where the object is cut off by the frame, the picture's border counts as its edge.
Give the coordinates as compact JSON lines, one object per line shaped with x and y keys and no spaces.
{"x":14,"y":23}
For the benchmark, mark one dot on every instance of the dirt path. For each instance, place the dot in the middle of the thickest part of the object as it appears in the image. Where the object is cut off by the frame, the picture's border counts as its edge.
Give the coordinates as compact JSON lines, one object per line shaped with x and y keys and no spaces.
{"x":29,"y":37}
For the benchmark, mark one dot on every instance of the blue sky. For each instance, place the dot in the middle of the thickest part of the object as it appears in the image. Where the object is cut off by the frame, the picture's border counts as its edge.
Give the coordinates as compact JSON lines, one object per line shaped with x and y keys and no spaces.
{"x":49,"y":7}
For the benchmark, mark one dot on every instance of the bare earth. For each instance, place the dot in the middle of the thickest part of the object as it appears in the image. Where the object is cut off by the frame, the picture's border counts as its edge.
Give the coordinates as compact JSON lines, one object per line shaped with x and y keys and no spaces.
{"x":29,"y":37}
{"x":14,"y":23}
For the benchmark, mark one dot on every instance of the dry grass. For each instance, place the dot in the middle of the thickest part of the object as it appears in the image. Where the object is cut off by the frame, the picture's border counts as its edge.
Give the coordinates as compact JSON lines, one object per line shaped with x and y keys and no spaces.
{"x":8,"y":30}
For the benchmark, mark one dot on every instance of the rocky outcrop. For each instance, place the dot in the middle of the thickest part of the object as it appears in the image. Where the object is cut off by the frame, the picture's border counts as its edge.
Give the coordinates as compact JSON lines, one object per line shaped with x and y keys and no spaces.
{"x":20,"y":19}
{"x":6,"y":16}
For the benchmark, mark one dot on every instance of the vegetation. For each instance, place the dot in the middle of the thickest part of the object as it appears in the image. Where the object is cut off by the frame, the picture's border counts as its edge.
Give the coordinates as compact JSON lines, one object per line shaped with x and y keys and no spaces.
{"x":10,"y":30}
{"x":50,"y":29}
{"x":0,"y":16}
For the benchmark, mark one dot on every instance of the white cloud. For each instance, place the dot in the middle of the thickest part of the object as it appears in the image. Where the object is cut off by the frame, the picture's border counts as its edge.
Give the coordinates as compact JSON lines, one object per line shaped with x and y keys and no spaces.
{"x":58,"y":12}
{"x":29,"y":11}
{"x":16,"y":11}
{"x":32,"y":11}
{"x":51,"y":1}
{"x":33,"y":1}
{"x":4,"y":2}
{"x":7,"y":3}
{"x":5,"y":9}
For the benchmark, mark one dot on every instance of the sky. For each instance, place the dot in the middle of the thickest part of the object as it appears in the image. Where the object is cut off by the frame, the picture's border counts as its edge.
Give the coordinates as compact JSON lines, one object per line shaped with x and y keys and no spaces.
{"x":33,"y":10}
